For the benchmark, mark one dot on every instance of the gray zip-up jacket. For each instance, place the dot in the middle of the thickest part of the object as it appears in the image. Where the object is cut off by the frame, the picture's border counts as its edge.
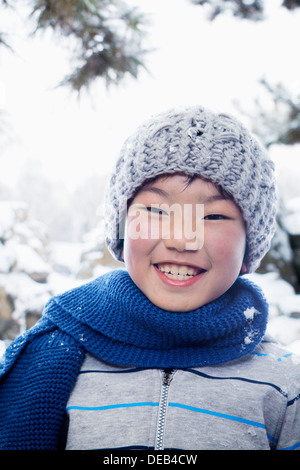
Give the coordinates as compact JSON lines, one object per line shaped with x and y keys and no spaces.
{"x":249,"y":403}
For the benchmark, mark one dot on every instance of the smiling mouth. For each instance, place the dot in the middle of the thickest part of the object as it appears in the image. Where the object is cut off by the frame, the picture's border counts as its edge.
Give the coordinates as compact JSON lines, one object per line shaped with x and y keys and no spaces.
{"x":179,"y":272}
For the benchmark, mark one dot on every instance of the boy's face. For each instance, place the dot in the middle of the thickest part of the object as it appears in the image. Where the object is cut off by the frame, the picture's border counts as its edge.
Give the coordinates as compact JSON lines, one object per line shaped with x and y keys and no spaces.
{"x":189,"y":248}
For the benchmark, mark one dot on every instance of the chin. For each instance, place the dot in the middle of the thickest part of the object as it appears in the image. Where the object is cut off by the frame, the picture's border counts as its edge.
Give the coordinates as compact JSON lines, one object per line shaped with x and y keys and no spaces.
{"x":176,"y":307}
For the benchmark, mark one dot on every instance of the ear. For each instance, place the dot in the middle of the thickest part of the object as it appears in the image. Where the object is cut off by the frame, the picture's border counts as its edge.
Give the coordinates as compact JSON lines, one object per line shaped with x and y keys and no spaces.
{"x":243,"y":268}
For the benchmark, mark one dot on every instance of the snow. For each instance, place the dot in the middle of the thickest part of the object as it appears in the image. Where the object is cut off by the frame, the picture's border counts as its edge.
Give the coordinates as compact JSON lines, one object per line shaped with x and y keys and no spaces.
{"x":249,"y":313}
{"x":286,"y":330}
{"x":28,"y":294}
{"x":27,"y":259}
{"x":10,"y":212}
{"x":2,"y":348}
{"x":6,"y":258}
{"x":66,"y":256}
{"x":284,"y":312}
{"x":278,"y":292}
{"x":292,"y":222}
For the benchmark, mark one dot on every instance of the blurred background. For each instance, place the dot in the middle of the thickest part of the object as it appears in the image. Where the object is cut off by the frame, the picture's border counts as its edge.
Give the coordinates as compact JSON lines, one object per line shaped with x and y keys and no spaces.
{"x":78,"y":76}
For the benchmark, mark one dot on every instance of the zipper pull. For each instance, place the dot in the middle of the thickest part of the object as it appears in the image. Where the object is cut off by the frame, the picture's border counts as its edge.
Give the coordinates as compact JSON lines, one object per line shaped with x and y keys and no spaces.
{"x":167,"y":377}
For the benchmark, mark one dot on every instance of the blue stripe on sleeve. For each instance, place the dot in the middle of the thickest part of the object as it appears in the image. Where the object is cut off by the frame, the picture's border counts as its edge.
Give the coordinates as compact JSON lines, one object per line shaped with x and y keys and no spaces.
{"x":295,"y":446}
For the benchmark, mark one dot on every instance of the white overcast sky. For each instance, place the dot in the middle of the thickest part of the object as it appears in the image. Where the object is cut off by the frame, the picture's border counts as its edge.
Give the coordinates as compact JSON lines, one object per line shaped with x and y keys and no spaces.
{"x":193,"y":61}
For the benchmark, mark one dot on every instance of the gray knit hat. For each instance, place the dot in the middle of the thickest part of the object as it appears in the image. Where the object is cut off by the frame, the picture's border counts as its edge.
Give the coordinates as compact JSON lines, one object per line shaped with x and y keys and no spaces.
{"x":196,"y":141}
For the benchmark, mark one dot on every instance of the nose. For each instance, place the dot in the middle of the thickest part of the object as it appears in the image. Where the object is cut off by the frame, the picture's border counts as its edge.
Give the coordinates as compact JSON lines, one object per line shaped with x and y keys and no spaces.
{"x":185,"y":232}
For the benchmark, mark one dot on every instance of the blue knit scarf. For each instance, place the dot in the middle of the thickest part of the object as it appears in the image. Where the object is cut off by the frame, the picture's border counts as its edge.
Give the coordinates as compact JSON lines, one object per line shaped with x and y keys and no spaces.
{"x":113,"y":320}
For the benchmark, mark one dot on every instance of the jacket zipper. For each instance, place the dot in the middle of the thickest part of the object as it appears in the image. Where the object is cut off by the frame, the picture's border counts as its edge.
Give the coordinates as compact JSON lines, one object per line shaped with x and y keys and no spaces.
{"x":166,"y":380}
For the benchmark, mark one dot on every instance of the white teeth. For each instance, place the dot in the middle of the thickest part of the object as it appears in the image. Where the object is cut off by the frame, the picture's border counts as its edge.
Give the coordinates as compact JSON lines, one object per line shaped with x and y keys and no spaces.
{"x":174,"y":271}
{"x":185,"y":270}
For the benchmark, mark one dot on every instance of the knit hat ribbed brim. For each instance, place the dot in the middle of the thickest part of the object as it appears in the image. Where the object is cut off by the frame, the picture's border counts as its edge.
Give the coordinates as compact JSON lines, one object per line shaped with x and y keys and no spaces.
{"x":196,"y":141}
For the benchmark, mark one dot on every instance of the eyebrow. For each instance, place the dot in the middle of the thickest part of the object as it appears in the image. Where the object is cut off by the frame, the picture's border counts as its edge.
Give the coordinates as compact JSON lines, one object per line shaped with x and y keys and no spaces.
{"x":216,"y":197}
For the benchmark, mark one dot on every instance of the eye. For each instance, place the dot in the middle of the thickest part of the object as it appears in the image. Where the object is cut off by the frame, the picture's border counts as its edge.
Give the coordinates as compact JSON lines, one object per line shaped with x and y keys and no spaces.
{"x":156,"y":210}
{"x":215,"y":217}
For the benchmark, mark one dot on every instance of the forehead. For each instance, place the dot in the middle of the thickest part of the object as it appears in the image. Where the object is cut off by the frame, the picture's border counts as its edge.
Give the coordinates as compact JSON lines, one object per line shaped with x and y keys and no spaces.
{"x":183,"y":183}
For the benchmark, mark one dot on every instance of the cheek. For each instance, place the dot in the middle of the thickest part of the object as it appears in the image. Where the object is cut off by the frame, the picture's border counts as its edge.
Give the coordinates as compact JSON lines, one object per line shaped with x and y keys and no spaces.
{"x":137,"y":248}
{"x":228,"y":245}
{"x":137,"y":227}
{"x":137,"y":242}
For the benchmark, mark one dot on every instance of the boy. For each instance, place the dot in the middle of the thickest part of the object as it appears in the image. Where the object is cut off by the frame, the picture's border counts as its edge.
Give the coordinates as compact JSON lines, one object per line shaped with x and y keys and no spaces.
{"x":170,"y":353}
